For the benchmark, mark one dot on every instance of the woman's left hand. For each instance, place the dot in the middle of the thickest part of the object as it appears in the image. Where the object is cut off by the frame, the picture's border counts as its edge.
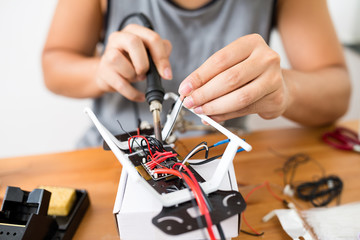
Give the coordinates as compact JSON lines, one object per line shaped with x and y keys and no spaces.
{"x":242,"y":78}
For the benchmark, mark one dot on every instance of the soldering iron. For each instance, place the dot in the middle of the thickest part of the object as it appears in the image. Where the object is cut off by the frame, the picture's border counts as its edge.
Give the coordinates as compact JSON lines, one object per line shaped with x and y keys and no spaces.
{"x":154,"y":96}
{"x":154,"y":91}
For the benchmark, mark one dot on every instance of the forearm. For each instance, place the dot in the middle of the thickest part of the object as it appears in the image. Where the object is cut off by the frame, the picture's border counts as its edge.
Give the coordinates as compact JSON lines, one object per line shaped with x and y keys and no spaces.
{"x":70,"y":74}
{"x":319,"y":97}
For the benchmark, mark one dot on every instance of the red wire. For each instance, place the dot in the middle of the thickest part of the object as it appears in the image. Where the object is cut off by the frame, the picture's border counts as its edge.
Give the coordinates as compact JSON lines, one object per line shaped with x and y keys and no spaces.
{"x":196,"y":183}
{"x":249,"y":226}
{"x":198,"y":196}
{"x":152,"y":161}
{"x":129,"y":145}
{"x":190,"y":174}
{"x":139,"y":136}
{"x":272,"y":193}
{"x":253,"y":190}
{"x":266,"y":183}
{"x":159,"y":157}
{"x":159,"y":160}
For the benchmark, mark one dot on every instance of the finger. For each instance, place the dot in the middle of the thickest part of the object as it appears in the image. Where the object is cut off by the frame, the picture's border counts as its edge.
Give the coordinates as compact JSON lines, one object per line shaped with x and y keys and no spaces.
{"x":122,"y":86}
{"x":120,"y":64}
{"x":251,"y":109}
{"x":168,"y":47}
{"x":158,"y":49}
{"x":204,"y":122}
{"x":134,"y":47}
{"x":264,"y":108}
{"x":225,"y":58}
{"x":237,"y":99}
{"x":168,"y":71}
{"x":227,"y":81}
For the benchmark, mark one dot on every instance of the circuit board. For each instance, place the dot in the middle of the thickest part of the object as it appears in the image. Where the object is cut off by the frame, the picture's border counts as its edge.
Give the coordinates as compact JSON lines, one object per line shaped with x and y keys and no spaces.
{"x":162,"y":183}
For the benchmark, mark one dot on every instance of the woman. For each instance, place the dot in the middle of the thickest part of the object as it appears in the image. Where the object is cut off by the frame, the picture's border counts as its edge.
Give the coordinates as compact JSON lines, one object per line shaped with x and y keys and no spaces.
{"x":215,"y":51}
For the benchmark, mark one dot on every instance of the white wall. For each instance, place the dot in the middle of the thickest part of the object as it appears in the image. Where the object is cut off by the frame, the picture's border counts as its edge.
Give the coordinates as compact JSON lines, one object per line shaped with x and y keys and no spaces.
{"x":346,"y":18}
{"x":33,"y":120}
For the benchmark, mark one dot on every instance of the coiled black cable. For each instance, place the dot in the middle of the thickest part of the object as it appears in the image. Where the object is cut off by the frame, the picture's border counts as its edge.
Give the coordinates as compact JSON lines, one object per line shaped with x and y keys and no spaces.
{"x":320,"y":193}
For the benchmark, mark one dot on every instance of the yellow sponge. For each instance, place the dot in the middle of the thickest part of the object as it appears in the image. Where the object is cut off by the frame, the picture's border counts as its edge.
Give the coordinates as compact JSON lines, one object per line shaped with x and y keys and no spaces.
{"x":61,"y":201}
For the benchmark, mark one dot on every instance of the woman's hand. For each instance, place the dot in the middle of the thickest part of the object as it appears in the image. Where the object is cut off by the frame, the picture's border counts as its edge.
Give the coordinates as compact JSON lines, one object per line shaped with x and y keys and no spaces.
{"x":242,"y":78}
{"x":125,"y":60}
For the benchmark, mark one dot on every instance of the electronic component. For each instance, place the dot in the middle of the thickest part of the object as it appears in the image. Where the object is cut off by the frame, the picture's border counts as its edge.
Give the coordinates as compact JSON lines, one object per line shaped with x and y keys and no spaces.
{"x":163,"y":182}
{"x":122,"y":151}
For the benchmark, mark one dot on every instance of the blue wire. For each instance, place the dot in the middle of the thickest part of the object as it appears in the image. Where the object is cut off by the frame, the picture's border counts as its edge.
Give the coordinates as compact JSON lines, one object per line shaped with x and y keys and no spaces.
{"x":240,"y":150}
{"x":221,"y":142}
{"x":226,"y":141}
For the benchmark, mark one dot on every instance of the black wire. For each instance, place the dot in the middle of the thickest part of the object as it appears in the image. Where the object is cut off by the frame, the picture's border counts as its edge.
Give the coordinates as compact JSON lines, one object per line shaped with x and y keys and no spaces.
{"x":320,"y":193}
{"x":292,"y":163}
{"x":209,"y":206}
{"x":206,"y":153}
{"x":123,"y":128}
{"x":203,"y":149}
{"x":193,"y":202}
{"x":207,"y":160}
{"x":137,"y":114}
{"x":140,"y":146}
{"x":155,"y":144}
{"x":252,"y":234}
{"x":220,"y":230}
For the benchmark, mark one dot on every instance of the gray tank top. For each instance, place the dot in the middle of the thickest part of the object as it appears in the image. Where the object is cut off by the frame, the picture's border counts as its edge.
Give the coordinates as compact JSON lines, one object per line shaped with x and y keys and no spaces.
{"x":195,"y":35}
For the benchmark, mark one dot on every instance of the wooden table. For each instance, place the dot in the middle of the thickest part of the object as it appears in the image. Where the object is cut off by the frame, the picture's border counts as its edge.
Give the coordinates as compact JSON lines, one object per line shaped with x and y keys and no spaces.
{"x":98,"y":172}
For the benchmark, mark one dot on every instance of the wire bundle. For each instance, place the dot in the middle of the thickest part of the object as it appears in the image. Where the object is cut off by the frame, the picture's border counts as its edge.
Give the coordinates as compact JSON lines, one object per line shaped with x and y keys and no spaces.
{"x":291,"y":165}
{"x":203,"y":146}
{"x":320,"y":193}
{"x":159,"y":158}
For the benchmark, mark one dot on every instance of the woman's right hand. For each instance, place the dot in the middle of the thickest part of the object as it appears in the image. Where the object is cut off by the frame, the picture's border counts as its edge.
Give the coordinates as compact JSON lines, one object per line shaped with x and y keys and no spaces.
{"x":125,"y":60}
